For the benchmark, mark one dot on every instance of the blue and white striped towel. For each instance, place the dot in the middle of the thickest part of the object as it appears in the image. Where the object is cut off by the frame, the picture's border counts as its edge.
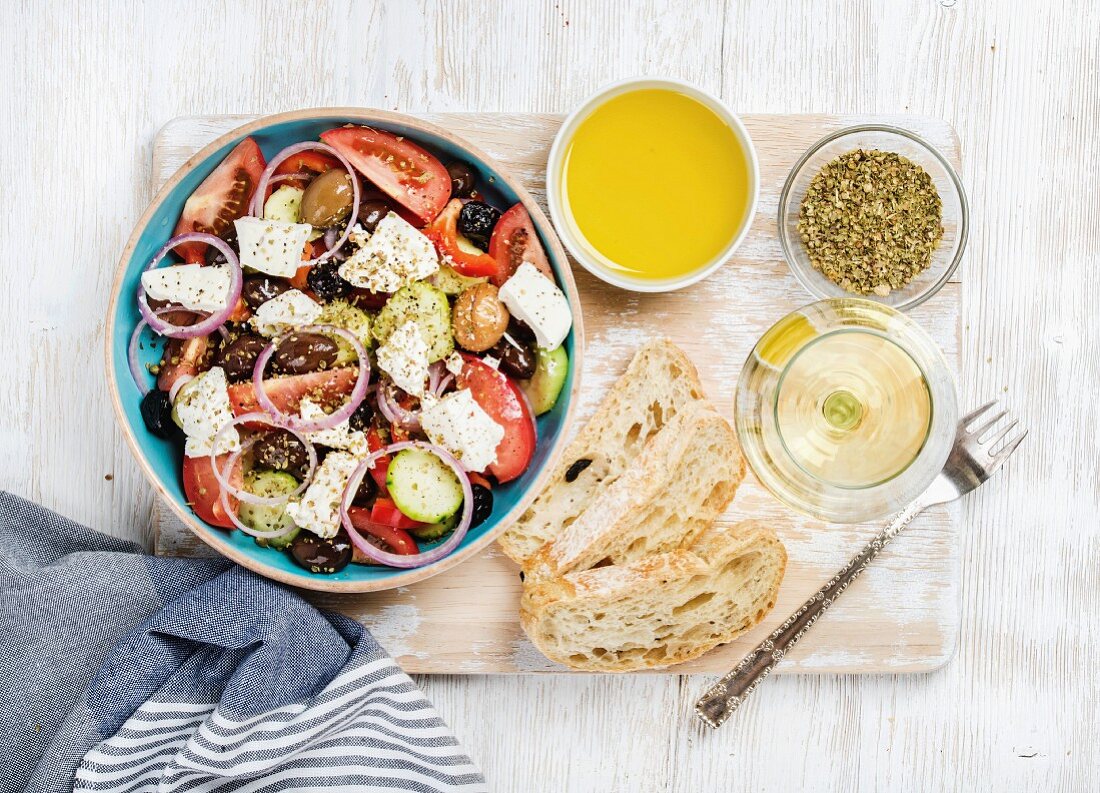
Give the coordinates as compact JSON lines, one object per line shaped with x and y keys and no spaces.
{"x":123,"y":672}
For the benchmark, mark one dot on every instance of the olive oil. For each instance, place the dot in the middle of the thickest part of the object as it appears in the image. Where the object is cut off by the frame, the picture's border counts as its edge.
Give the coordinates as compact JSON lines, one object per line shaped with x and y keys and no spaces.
{"x":853,"y":409}
{"x":656,"y":182}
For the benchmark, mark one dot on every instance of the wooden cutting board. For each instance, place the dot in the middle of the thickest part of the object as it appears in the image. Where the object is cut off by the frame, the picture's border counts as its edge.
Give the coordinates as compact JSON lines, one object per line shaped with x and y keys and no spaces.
{"x":902,"y":615}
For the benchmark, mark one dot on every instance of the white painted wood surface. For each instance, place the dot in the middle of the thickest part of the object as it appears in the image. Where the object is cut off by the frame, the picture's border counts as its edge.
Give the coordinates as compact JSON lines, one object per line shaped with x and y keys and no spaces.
{"x":904,"y":614}
{"x":85,"y":86}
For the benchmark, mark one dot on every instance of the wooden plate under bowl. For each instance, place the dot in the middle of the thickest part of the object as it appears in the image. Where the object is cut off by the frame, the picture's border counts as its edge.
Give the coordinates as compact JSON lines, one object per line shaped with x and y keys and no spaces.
{"x":160,"y":460}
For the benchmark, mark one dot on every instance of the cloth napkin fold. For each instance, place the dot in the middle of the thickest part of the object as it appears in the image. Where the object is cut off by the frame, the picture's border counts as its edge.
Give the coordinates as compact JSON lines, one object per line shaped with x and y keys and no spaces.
{"x":124,"y":672}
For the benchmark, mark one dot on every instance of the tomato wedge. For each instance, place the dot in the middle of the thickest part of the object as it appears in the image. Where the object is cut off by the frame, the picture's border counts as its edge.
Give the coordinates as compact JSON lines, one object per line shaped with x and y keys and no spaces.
{"x":393,"y":539}
{"x":461,"y":254}
{"x":306,"y":161}
{"x":286,"y":393}
{"x":204,"y":492}
{"x":402,"y":170}
{"x":386,"y":512}
{"x":382,"y":464}
{"x":515,"y":241}
{"x":182,"y":358}
{"x":222,"y":197}
{"x":503,"y":401}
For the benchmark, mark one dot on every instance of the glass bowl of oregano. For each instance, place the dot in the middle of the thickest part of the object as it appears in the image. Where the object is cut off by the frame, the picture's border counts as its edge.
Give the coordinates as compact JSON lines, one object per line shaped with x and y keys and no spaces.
{"x":876,"y":212}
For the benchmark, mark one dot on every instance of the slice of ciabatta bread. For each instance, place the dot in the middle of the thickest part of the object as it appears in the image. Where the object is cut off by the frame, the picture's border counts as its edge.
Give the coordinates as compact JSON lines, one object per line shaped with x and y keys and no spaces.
{"x":683,"y":479}
{"x":661,"y":609}
{"x":657,"y":384}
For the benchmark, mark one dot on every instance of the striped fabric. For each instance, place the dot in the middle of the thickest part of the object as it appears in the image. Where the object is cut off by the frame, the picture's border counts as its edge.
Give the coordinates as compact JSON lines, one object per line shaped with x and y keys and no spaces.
{"x":129,"y":673}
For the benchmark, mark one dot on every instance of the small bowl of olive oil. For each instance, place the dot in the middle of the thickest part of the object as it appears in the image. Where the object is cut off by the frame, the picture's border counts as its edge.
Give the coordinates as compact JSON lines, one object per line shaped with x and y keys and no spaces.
{"x":652,"y":184}
{"x":846,"y":410}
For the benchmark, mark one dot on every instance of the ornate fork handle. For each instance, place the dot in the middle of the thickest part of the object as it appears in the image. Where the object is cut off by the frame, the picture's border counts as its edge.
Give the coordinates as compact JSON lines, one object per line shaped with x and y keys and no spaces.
{"x":725,"y":696}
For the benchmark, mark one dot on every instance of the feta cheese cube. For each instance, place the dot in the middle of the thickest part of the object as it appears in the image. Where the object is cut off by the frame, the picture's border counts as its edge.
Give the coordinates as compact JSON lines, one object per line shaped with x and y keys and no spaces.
{"x":193,"y":286}
{"x":461,"y":426}
{"x":291,"y":309}
{"x":454,"y":363}
{"x":202,"y":406}
{"x":272,"y":246}
{"x":404,"y":357}
{"x":536,"y":300}
{"x":394,"y":255}
{"x":318,"y":510}
{"x":342,"y":436}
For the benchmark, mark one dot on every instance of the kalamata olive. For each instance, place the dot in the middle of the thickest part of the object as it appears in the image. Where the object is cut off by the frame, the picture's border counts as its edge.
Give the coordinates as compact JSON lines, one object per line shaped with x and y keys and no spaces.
{"x":520,"y":330}
{"x":325,"y":281}
{"x":238,"y":358}
{"x":368,"y":489}
{"x":360,"y":420}
{"x":517,"y":359}
{"x":327,"y":199}
{"x":371,"y":213}
{"x":476,"y":222}
{"x":483,"y":505}
{"x":299,"y":353}
{"x":321,"y":556}
{"x":281,"y":451}
{"x":156,"y":412}
{"x":479,"y":319}
{"x":462,"y":179}
{"x":258,"y":289}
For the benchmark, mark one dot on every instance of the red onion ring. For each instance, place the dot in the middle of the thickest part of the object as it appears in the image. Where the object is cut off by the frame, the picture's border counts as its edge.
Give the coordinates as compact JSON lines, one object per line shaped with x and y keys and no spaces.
{"x":392,"y":410}
{"x":181,"y":381}
{"x":358,"y":393}
{"x":244,"y":495}
{"x":216,"y":319}
{"x":132,"y":354}
{"x":410,"y":560}
{"x":132,"y":358}
{"x":232,"y":515}
{"x":256,"y":207}
{"x":446,"y":381}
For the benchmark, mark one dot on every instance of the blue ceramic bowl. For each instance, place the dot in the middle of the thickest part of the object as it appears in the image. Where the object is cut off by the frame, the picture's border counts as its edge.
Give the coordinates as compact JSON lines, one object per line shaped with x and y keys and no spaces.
{"x":161,"y":460}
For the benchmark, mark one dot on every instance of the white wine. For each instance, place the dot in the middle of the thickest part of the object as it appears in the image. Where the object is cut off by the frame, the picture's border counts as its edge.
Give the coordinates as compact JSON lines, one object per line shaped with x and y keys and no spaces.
{"x":853,"y":409}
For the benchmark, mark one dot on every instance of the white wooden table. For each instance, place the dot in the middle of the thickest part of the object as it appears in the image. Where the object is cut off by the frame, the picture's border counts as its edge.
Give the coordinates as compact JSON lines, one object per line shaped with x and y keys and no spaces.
{"x":85,"y":86}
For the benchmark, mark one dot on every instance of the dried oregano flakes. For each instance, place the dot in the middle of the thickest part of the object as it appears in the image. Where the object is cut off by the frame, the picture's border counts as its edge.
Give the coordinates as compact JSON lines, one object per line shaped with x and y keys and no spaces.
{"x":870,"y":221}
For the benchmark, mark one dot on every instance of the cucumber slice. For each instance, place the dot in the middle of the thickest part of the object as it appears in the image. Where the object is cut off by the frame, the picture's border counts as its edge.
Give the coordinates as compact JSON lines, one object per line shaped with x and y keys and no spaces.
{"x":344,"y":315}
{"x":453,"y":283}
{"x":427,"y":306}
{"x":545,"y":387}
{"x":433,"y":531}
{"x":269,"y":484}
{"x":422,"y":486}
{"x":284,"y":205}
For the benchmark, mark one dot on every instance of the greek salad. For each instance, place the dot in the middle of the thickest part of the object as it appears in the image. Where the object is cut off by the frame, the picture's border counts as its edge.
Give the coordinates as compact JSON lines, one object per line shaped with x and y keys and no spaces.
{"x":356,"y":344}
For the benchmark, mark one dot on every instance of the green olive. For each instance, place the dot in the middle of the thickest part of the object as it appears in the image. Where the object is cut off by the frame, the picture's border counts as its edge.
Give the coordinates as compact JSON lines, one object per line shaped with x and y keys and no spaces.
{"x":327,"y":199}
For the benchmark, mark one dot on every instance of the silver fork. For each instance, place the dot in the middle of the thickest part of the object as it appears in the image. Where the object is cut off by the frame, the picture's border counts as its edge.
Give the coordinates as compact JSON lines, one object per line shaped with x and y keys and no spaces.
{"x":975,"y":456}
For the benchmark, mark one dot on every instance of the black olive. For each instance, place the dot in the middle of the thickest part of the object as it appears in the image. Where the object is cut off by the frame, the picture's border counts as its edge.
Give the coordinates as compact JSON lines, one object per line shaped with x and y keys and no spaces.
{"x":462,"y":179}
{"x":238,"y":358}
{"x":371,"y":213}
{"x":483,"y":505}
{"x":368,"y":489}
{"x":576,"y":468}
{"x":156,"y":412}
{"x":520,"y":330}
{"x":281,"y":451}
{"x":299,"y":353}
{"x":476,"y":222}
{"x":517,"y":359}
{"x":319,"y":555}
{"x":325,"y":281}
{"x":360,"y":420}
{"x":258,"y":289}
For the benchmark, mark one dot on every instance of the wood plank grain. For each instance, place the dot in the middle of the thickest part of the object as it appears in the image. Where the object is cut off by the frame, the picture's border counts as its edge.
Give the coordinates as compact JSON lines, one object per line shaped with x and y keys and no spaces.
{"x":902,"y":615}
